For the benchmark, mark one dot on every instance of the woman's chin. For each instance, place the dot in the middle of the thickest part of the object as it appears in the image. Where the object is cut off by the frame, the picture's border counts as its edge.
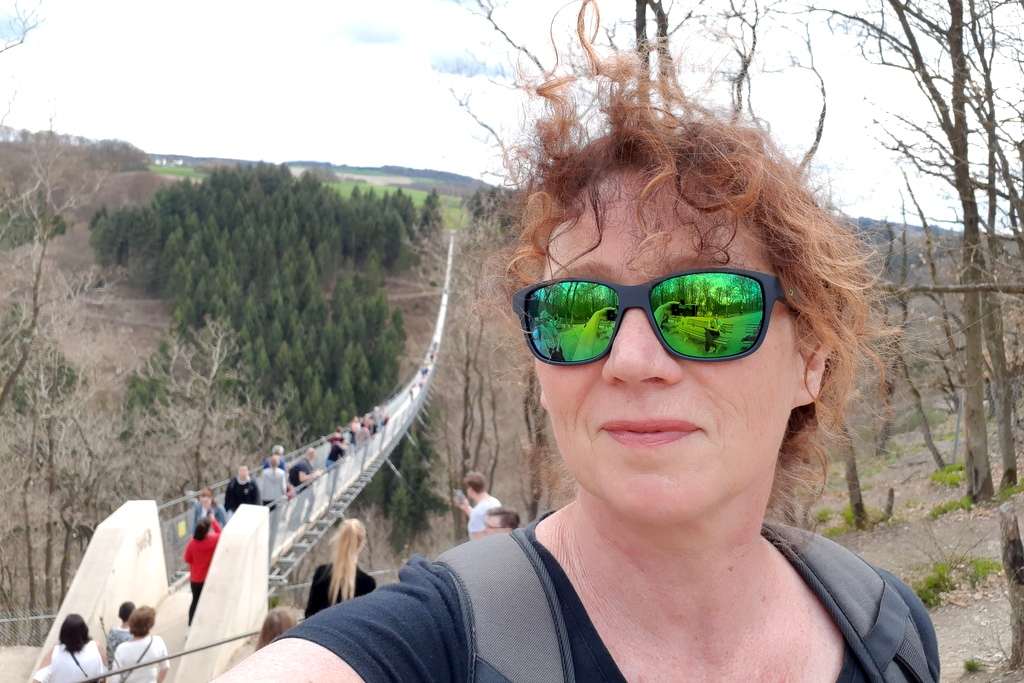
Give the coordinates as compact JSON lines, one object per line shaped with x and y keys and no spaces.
{"x":654,"y":499}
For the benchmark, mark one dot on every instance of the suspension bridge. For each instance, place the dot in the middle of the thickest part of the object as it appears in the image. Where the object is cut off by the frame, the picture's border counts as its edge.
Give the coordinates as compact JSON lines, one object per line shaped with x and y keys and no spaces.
{"x":136,"y":553}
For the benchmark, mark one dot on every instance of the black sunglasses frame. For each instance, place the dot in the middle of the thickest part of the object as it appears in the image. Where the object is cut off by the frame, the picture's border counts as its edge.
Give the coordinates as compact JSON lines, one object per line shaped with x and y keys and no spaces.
{"x":639,"y":296}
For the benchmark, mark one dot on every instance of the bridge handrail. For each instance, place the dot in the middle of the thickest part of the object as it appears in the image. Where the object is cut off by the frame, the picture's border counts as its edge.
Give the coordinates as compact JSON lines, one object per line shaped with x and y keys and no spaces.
{"x":175,"y":655}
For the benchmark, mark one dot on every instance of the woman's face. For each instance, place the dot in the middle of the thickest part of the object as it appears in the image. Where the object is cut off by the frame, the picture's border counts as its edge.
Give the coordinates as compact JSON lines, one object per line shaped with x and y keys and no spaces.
{"x":658,"y":439}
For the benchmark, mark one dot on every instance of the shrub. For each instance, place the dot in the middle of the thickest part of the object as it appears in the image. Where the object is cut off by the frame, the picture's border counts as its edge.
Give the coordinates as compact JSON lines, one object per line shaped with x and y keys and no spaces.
{"x":972,"y":666}
{"x":932,"y":586}
{"x":980,"y":568}
{"x":950,"y":475}
{"x":964,"y":503}
{"x":824,"y":515}
{"x":1009,"y":492}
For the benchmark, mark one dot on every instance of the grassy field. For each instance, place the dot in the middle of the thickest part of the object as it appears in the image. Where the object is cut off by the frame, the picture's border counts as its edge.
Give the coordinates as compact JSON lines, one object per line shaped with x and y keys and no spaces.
{"x":451,"y":207}
{"x":180,"y":171}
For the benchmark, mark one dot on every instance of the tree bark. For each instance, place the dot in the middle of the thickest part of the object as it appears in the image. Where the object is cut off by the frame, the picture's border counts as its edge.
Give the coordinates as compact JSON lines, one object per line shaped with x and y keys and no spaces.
{"x":1013,"y":565}
{"x":643,"y":45}
{"x":1001,"y":389}
{"x":979,"y":471}
{"x":51,"y":490}
{"x":926,"y":429}
{"x":536,"y":446}
{"x":860,"y":515}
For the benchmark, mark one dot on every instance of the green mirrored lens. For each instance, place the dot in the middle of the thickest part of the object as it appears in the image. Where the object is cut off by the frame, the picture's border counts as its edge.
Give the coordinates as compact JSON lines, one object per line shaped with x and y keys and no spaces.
{"x":572,"y":321}
{"x":709,"y":315}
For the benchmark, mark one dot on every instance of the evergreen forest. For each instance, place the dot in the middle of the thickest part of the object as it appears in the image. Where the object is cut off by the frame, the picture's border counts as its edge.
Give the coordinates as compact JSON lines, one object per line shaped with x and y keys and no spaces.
{"x":295,"y":269}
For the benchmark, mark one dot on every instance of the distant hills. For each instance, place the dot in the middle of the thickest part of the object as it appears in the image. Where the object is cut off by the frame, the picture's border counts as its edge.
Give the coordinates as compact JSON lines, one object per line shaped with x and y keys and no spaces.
{"x":446,"y":183}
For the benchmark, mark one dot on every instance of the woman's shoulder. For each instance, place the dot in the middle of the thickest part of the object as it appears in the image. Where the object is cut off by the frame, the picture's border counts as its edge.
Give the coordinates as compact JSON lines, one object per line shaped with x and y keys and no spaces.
{"x":410,"y":630}
{"x":865,"y":595}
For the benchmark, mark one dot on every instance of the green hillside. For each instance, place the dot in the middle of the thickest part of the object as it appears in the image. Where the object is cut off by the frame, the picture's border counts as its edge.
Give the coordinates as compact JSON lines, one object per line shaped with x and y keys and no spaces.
{"x":451,"y":205}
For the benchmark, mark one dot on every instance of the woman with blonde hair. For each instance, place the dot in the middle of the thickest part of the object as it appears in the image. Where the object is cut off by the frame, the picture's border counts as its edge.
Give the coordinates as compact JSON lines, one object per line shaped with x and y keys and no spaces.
{"x":342,"y":579}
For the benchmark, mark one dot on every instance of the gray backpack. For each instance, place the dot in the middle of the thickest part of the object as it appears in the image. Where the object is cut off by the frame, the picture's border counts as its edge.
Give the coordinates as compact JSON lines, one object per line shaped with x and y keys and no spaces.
{"x":516,"y":634}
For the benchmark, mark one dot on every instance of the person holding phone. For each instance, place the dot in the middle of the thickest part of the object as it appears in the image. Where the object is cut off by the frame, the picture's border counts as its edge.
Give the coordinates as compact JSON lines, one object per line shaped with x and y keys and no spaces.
{"x":475,"y":503}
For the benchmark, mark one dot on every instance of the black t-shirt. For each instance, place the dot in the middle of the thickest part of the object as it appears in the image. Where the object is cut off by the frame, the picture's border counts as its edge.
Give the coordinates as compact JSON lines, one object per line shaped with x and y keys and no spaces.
{"x":301,"y":466}
{"x":321,"y":587}
{"x":413,"y":630}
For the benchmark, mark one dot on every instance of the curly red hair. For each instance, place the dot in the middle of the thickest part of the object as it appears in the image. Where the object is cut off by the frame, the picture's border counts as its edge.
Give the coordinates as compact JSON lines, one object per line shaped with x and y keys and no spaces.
{"x":716,"y":165}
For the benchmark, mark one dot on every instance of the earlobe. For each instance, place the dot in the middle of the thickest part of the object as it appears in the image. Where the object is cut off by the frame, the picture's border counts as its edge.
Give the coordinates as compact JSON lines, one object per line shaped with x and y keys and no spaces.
{"x":813,"y":374}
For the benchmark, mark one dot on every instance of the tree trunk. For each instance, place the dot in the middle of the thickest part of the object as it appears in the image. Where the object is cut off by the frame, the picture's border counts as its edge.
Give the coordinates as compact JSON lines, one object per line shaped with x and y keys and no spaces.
{"x":33,"y":600}
{"x":65,"y":560}
{"x":979,"y":471}
{"x":860,"y":515}
{"x":51,"y":489}
{"x":1001,"y":388}
{"x":536,"y":446}
{"x":643,"y":45}
{"x":926,"y":429}
{"x":1013,"y":565}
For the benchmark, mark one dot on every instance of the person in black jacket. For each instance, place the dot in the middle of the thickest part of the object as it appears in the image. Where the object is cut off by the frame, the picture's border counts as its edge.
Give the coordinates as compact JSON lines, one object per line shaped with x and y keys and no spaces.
{"x":241,"y":490}
{"x":342,"y":579}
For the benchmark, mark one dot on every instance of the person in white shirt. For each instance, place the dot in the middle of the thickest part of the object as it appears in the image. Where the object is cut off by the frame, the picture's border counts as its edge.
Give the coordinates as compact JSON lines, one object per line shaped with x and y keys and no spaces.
{"x":273,"y":481}
{"x":143,"y":647}
{"x":75,"y":657}
{"x":482,"y":501}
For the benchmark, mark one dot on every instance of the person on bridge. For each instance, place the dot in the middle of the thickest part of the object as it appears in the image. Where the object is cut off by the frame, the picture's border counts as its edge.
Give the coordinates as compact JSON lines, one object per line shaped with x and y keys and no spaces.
{"x":241,"y":490}
{"x":75,"y":657}
{"x":338,"y":445}
{"x":337,"y":453}
{"x":205,"y":505}
{"x":672,"y":561}
{"x":342,"y":579}
{"x":273,"y":481}
{"x":142,"y":648}
{"x":277,"y":450}
{"x":476,"y":493}
{"x":199,"y":556}
{"x":355,"y":431}
{"x":303,"y":470}
{"x":120,"y":634}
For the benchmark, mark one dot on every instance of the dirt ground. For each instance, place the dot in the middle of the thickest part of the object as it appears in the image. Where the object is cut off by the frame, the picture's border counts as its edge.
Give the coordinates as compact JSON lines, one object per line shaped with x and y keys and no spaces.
{"x":971,"y":623}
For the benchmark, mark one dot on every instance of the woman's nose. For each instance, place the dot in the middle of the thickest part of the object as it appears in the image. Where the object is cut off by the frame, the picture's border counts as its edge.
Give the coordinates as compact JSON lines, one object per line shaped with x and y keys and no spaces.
{"x":637,"y":354}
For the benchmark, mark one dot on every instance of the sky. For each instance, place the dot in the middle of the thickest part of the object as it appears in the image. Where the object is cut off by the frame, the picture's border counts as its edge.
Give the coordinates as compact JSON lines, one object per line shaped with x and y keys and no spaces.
{"x":372,"y":84}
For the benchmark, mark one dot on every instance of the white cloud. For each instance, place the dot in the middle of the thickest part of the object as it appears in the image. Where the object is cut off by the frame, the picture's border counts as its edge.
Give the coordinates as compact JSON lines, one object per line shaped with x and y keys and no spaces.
{"x":369,"y":84}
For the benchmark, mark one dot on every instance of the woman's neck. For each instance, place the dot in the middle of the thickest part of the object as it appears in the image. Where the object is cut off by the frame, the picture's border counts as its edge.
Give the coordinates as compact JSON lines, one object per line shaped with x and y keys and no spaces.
{"x":716,"y":580}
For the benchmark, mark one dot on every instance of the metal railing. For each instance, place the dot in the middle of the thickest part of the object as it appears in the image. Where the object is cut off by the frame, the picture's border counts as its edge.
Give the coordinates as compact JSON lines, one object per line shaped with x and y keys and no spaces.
{"x":110,"y":675}
{"x":24,"y":627}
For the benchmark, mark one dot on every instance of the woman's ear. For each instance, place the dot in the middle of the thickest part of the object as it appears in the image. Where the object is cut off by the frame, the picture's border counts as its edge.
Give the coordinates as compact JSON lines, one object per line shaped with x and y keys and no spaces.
{"x":809,"y":387}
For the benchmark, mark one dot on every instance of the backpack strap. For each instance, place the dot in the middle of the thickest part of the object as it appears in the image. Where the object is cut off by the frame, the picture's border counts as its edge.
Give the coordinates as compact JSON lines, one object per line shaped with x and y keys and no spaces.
{"x":513,"y":620}
{"x":868,"y":608}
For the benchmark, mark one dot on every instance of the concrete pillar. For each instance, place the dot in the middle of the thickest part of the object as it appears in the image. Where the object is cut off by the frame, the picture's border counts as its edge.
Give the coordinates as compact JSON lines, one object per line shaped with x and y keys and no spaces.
{"x":124,"y":561}
{"x":234,"y":598}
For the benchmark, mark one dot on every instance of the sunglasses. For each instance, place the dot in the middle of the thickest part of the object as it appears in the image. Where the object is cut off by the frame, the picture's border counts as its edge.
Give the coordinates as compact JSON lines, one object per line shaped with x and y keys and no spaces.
{"x":707,"y":315}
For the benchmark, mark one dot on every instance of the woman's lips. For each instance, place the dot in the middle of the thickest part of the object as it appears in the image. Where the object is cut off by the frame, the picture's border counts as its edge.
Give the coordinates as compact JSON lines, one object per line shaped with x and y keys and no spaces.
{"x":650,"y":433}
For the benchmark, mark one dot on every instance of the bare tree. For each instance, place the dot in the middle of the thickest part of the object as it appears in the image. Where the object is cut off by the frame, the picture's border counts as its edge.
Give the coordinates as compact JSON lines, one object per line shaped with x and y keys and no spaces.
{"x":936,"y":42}
{"x":39,"y":191}
{"x":195,"y":399}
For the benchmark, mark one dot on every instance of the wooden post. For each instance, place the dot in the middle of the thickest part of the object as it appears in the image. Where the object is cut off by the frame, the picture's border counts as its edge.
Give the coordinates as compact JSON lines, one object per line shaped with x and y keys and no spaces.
{"x":1013,"y":563}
